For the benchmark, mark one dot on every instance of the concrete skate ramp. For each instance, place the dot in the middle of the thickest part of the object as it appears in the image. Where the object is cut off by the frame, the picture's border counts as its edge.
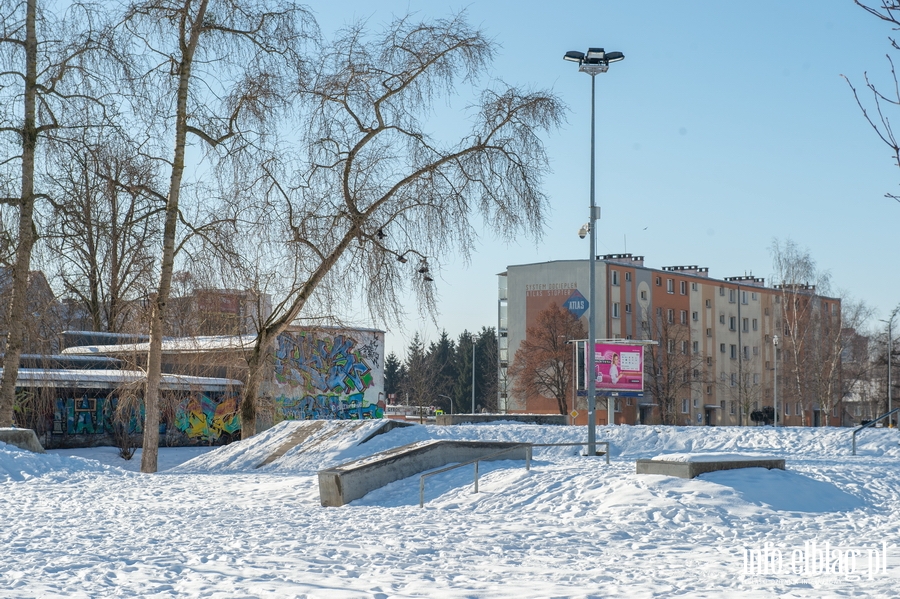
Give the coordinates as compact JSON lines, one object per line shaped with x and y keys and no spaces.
{"x":312,"y":434}
{"x":342,"y":484}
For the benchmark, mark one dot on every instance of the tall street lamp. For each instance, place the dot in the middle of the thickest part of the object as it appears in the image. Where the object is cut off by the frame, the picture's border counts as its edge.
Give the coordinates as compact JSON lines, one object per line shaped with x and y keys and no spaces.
{"x":595,"y":61}
{"x":890,"y":355}
{"x":775,"y":361}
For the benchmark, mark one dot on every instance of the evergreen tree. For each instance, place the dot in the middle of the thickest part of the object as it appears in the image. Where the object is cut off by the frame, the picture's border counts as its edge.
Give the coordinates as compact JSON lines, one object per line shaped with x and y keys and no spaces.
{"x":393,"y":369}
{"x":442,"y":357}
{"x":486,"y":369}
{"x":462,"y":390}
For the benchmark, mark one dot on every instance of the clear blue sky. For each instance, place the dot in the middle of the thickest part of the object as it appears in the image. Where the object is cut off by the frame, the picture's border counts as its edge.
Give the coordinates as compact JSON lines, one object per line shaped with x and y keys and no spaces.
{"x":727,"y":125}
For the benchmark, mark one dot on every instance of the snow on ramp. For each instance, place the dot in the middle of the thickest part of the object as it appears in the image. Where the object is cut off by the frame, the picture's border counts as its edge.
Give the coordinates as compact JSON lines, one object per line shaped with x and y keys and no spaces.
{"x":296,"y":445}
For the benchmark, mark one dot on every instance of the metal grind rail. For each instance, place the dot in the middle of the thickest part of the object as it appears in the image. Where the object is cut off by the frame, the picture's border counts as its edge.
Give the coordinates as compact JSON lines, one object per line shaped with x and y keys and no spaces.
{"x":528,"y":453}
{"x":868,"y":424}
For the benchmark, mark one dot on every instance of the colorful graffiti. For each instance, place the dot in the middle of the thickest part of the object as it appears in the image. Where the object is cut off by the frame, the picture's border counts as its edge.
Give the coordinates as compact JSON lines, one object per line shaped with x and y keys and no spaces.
{"x":88,"y":416}
{"x":327,"y":407}
{"x":207,"y":419}
{"x":327,"y":377}
{"x":202,"y":418}
{"x":313,"y":363}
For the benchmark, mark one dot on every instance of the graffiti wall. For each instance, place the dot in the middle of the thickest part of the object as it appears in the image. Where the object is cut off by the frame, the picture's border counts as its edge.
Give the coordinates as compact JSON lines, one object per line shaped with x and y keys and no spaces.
{"x":207,"y":418}
{"x":330,"y":374}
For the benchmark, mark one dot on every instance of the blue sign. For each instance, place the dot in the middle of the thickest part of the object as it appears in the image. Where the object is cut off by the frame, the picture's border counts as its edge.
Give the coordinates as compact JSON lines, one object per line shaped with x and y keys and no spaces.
{"x":577,"y":304}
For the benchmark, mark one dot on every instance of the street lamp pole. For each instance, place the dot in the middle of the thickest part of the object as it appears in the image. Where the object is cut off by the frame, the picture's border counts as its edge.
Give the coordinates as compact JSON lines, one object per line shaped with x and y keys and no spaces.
{"x":890,"y":355}
{"x":595,"y":61}
{"x":775,"y":361}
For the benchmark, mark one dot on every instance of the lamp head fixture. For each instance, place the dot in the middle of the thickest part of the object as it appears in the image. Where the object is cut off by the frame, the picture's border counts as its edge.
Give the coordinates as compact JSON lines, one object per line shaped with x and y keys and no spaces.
{"x":596,"y":60}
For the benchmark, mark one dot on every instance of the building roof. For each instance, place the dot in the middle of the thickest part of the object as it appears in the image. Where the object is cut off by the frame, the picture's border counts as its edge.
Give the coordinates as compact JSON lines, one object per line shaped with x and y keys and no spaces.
{"x":112,"y":379}
{"x":180,"y":345}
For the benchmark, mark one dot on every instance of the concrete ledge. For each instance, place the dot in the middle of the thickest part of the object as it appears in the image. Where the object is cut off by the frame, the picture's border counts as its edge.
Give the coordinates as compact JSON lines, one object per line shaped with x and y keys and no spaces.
{"x":342,"y":484}
{"x":450,"y":419}
{"x":691,"y":469}
{"x":23,"y":438}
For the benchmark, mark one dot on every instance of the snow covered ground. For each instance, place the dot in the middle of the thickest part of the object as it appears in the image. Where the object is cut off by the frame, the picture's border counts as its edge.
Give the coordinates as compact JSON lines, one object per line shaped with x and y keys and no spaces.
{"x":84,"y":523}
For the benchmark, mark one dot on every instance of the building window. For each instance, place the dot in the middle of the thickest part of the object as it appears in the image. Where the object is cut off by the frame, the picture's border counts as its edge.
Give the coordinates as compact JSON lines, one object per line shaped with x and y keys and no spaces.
{"x":746,"y":324}
{"x":695,"y":316}
{"x":766,"y":311}
{"x":722,"y":347}
{"x":753,"y":296}
{"x":755,"y":324}
{"x":731,"y":296}
{"x":615,"y":310}
{"x":684,"y":317}
{"x":746,"y":352}
{"x":732,"y":323}
{"x":670,"y":285}
{"x":684,"y":289}
{"x":731,"y":406}
{"x":755,"y":350}
{"x":671,"y":316}
{"x":733,"y":379}
{"x":709,"y":360}
{"x":671,"y":346}
{"x":797,"y":409}
{"x":696,"y":347}
{"x":684,"y":346}
{"x":709,"y":389}
{"x":644,"y":325}
{"x":643,"y":294}
{"x":658,"y":281}
{"x":696,"y":403}
{"x":627,"y":279}
{"x":755,"y":378}
{"x":684,"y":406}
{"x":733,"y":352}
{"x":744,"y":297}
{"x":615,"y":277}
{"x":709,"y":332}
{"x":709,"y":303}
{"x":787,"y":409}
{"x":722,"y":318}
{"x":721,"y":291}
{"x":693,"y":286}
{"x":627,"y":308}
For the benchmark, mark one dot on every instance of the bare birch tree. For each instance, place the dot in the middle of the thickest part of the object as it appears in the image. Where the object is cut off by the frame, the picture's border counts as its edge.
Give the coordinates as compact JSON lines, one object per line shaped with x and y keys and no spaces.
{"x":887,"y":98}
{"x":370,"y":200}
{"x":813,"y":323}
{"x":47,"y":88}
{"x":215,"y":73}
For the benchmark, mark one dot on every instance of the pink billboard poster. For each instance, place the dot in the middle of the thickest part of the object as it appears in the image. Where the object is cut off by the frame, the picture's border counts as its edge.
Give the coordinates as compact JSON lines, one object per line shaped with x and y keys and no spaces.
{"x":619,"y":367}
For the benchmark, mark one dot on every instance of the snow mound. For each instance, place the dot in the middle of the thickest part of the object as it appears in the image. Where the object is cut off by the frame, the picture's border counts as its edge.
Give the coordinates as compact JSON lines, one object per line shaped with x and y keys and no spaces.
{"x":22,"y":465}
{"x":295,"y":446}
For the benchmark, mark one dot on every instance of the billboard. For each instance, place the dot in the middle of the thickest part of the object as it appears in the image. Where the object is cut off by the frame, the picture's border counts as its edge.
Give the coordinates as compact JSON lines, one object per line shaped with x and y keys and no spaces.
{"x":618,"y":367}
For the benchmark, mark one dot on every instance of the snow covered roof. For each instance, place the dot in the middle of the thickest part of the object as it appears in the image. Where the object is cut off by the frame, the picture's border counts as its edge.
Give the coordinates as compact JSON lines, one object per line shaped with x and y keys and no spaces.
{"x":179,"y":345}
{"x":111,"y":379}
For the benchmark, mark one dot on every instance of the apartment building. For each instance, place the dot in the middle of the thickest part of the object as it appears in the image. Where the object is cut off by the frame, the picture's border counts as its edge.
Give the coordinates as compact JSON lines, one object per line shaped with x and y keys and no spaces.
{"x":710,"y":353}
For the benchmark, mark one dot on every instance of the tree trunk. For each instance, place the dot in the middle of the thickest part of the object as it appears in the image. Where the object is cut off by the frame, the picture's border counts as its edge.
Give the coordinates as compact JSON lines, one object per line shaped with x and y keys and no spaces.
{"x":16,"y":311}
{"x":150,"y":452}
